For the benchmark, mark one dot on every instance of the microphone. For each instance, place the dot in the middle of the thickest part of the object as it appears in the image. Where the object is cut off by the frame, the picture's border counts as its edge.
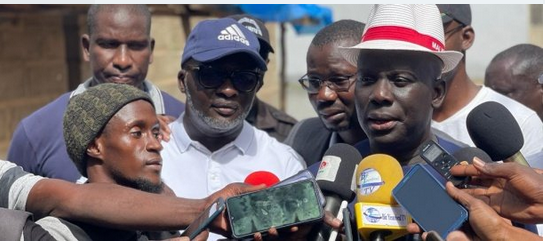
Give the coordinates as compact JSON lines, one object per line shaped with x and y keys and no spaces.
{"x":378,"y":215}
{"x":494,"y":129}
{"x":335,"y":179}
{"x":467,"y":154}
{"x":261,"y":177}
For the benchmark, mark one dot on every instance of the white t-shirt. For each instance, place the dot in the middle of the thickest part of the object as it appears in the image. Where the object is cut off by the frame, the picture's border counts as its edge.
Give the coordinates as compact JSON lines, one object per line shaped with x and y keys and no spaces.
{"x":528,"y":120}
{"x":192,"y":171}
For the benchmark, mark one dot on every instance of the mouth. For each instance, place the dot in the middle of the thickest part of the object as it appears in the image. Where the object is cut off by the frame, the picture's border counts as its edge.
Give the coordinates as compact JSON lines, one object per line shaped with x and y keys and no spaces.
{"x":333,"y":115}
{"x":224,"y":109}
{"x":155,"y":163}
{"x":379,"y":122}
{"x":120,"y":79}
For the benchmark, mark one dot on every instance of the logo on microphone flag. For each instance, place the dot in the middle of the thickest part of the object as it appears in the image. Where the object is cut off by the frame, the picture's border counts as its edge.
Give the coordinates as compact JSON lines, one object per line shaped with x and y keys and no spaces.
{"x":370,"y":181}
{"x":329,"y":168}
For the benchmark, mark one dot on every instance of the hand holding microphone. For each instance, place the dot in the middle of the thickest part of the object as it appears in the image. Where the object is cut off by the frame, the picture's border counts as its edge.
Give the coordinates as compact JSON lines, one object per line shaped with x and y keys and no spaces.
{"x":512,"y":190}
{"x":485,"y":223}
{"x":335,"y":179}
{"x":494,"y":129}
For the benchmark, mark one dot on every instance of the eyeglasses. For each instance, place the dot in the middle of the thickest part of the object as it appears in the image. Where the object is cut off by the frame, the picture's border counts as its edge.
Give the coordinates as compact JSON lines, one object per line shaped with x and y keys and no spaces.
{"x":338,"y":83}
{"x":212,"y":78}
{"x":453,"y":30}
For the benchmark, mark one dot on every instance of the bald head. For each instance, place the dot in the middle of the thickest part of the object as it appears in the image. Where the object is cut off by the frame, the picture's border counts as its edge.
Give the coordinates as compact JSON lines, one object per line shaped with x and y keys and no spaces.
{"x":340,"y":30}
{"x":514,"y":73}
{"x":120,"y":11}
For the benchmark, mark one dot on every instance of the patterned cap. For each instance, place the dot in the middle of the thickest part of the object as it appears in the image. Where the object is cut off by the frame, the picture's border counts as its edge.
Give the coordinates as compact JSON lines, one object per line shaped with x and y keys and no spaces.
{"x":88,"y":113}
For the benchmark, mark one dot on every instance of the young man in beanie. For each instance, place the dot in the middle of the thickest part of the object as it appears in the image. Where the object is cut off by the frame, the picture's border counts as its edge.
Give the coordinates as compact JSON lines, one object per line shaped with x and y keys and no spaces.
{"x":112,"y":136}
{"x":212,"y":145}
{"x":262,"y":115}
{"x":463,"y":95}
{"x":119,"y":49}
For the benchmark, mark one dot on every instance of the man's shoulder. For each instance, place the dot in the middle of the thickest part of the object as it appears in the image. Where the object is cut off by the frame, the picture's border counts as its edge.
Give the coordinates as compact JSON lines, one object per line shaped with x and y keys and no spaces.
{"x":516,"y":108}
{"x":278,"y":114}
{"x":47,"y":116}
{"x":173,"y":106}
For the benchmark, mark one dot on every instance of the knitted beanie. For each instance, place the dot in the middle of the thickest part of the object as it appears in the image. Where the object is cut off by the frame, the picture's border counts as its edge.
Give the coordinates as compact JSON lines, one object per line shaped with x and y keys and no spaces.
{"x":89,"y":112}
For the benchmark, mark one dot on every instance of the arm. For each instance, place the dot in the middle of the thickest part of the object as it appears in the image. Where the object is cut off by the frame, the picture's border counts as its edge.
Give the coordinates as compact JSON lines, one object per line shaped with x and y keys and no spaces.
{"x":119,"y":207}
{"x":485,"y":223}
{"x":512,"y":190}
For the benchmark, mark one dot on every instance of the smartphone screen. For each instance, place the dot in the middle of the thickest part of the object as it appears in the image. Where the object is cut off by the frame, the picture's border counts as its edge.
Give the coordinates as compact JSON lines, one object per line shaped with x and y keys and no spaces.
{"x":277,"y":207}
{"x":204,"y":219}
{"x":428,"y":203}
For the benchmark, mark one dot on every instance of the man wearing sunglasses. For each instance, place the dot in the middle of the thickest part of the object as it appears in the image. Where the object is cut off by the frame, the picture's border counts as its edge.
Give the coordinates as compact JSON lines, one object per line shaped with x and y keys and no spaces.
{"x":211,"y":144}
{"x":463,"y":95}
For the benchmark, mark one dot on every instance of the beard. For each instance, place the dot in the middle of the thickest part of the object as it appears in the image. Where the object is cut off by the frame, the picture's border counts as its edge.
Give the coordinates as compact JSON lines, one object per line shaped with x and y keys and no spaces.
{"x":216,"y":125}
{"x":138,"y":183}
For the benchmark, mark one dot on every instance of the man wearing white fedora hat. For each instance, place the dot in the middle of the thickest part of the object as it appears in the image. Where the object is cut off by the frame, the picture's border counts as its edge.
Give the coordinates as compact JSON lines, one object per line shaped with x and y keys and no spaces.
{"x":400,"y":61}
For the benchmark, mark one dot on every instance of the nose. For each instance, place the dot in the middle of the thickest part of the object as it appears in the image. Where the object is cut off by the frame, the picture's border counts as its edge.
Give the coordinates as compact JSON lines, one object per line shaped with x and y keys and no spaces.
{"x":153,"y":144}
{"x":122,"y":59}
{"x":325,"y":94}
{"x":227,"y":89}
{"x":381,"y":92}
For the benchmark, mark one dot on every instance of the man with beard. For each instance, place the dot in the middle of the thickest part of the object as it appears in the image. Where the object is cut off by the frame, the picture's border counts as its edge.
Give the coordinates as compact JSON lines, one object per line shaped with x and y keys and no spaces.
{"x":119,"y":49}
{"x":329,"y":83}
{"x":112,"y":136}
{"x":212,"y":146}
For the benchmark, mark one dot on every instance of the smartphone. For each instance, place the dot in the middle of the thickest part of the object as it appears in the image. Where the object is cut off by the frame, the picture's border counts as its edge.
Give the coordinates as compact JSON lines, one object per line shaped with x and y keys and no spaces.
{"x":204,"y":219}
{"x":303,"y":175}
{"x":442,"y":162}
{"x":428,"y":203}
{"x":278,"y":206}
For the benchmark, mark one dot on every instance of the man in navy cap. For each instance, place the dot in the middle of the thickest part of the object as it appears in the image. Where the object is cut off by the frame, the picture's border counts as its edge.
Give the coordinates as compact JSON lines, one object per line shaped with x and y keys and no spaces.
{"x":212,"y":145}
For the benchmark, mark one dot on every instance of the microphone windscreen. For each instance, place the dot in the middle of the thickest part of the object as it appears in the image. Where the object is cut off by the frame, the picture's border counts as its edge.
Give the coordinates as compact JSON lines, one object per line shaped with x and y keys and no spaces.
{"x":261,"y":177}
{"x":377,"y":175}
{"x":336,"y":172}
{"x":467,"y":154}
{"x":494,"y":129}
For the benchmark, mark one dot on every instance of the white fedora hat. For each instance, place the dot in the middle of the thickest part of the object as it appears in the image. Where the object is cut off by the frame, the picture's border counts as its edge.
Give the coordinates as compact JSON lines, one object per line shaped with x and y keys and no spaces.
{"x":404,"y":27}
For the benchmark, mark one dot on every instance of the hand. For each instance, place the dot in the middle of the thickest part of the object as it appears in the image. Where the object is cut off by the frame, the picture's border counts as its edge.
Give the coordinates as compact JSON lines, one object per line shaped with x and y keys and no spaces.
{"x":299,"y":232}
{"x":221,"y":224}
{"x":512,"y":190}
{"x":203,"y":236}
{"x":164,"y":120}
{"x":485,"y":223}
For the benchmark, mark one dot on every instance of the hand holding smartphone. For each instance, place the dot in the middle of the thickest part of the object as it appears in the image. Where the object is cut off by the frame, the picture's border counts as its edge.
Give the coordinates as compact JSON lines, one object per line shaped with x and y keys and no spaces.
{"x":278,"y":206}
{"x":204,"y":219}
{"x":428,"y":203}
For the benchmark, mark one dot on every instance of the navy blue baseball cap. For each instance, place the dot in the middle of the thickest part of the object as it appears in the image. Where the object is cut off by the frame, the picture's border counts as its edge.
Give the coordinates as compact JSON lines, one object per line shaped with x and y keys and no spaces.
{"x":211,"y":40}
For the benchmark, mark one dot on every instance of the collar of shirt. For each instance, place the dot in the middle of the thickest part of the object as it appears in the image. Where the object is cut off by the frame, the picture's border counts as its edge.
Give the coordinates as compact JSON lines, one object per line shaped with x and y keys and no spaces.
{"x":183,"y":141}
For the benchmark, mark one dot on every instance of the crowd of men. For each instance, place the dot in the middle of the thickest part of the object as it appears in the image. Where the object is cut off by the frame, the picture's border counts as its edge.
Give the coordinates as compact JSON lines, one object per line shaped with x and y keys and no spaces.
{"x":119,"y":159}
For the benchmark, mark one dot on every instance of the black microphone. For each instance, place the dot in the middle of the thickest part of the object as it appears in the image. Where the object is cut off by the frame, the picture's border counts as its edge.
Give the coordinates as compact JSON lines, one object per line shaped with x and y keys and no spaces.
{"x":468,"y":153}
{"x":335,"y":178}
{"x":494,"y":129}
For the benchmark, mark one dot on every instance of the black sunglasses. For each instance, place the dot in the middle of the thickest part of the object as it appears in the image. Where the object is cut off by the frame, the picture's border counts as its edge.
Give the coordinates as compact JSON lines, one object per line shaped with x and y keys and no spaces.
{"x":212,"y":78}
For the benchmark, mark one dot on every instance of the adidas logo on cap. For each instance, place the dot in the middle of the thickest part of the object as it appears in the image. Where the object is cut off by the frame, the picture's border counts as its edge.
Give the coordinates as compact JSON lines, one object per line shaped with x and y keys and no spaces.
{"x":232,"y":32}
